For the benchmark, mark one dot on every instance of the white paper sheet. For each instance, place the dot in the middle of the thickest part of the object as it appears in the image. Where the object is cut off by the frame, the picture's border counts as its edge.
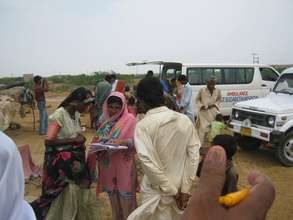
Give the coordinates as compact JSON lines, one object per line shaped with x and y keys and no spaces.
{"x":95,"y":147}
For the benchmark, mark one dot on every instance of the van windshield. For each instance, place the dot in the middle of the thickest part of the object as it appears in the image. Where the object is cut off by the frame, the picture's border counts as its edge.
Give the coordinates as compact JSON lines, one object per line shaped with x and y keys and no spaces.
{"x":284,"y":84}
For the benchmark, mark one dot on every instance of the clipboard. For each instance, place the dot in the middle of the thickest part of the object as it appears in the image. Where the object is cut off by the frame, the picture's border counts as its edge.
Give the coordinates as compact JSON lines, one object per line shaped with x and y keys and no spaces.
{"x":96,"y":147}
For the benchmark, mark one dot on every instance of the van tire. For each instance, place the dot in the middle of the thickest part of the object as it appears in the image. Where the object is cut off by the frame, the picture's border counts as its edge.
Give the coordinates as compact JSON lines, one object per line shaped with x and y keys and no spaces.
{"x":284,"y":151}
{"x":248,"y":143}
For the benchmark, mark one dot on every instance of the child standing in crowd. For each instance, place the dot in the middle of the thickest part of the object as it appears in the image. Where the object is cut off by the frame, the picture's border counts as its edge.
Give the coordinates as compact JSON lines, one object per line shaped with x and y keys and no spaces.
{"x":127,"y":92}
{"x":217,"y":127}
{"x":227,"y":142}
{"x":131,"y":105}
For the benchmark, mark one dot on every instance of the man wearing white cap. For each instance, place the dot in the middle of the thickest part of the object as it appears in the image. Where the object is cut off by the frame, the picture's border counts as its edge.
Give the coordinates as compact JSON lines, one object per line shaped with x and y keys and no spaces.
{"x":208,"y":102}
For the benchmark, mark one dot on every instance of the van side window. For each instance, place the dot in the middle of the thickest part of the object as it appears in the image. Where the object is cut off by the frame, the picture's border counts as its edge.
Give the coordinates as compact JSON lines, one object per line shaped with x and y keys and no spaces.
{"x":237,"y":75}
{"x":249,"y":73}
{"x":194,"y":76}
{"x":206,"y":74}
{"x":240,"y":76}
{"x":199,"y":75}
{"x":229,"y":76}
{"x":268,"y":74}
{"x":218,"y":74}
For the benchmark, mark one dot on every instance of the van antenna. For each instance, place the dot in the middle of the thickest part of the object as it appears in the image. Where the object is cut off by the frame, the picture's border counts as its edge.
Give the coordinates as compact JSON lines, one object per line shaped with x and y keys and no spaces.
{"x":255,"y":58}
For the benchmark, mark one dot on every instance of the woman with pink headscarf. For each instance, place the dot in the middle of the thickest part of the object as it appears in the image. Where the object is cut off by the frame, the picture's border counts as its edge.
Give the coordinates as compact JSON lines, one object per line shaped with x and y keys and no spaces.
{"x":117,"y":171}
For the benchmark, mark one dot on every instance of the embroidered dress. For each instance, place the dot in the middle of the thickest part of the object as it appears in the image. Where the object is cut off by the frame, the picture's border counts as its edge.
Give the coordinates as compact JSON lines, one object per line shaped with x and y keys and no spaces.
{"x":65,"y":175}
{"x":118,"y":171}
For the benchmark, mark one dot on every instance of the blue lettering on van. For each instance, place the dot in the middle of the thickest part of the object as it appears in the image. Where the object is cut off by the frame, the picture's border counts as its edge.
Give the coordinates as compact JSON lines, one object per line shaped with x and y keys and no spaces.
{"x":237,"y":98}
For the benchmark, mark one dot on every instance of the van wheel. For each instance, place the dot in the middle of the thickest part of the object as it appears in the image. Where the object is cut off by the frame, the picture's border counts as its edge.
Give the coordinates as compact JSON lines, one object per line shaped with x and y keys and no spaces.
{"x":248,"y":143}
{"x":284,"y":151}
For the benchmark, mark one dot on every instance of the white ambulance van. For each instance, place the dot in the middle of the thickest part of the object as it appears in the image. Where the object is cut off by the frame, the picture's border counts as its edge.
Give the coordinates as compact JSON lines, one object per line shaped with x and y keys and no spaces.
{"x":238,"y":82}
{"x":268,"y":120}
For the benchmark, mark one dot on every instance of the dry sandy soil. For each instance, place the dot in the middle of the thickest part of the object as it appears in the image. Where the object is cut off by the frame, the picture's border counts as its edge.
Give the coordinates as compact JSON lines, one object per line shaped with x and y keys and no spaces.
{"x":262,"y":160}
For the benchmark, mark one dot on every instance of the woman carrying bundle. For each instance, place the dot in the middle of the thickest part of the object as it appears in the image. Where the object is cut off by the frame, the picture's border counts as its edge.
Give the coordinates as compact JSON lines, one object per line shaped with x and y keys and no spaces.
{"x":65,"y":183}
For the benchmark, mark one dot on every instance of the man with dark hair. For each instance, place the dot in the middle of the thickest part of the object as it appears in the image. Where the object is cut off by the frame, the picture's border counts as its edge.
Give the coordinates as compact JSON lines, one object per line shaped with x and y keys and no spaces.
{"x":228,"y":142}
{"x":185,"y":104}
{"x":149,"y":73}
{"x":40,"y":87}
{"x":150,"y":91}
{"x":168,"y":149}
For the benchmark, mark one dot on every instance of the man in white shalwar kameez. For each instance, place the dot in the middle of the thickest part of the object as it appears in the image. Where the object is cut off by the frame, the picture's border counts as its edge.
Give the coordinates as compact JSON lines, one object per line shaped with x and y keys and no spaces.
{"x":168,"y":149}
{"x":208,"y":103}
{"x":185,"y":104}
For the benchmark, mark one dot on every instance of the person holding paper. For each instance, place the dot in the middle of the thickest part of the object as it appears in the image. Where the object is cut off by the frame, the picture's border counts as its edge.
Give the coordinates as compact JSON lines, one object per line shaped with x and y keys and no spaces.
{"x":117,"y":171}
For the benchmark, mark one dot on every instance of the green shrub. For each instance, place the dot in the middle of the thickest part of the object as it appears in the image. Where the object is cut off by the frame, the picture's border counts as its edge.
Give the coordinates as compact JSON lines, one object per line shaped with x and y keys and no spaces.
{"x":68,"y":82}
{"x":10,"y":80}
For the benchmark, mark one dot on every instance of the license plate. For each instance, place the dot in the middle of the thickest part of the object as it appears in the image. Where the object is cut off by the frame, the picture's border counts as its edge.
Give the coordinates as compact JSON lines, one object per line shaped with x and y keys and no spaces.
{"x":245,"y":131}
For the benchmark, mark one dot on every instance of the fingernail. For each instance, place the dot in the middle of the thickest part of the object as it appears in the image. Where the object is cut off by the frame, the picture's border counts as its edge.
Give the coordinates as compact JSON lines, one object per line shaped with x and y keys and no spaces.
{"x":216,"y":154}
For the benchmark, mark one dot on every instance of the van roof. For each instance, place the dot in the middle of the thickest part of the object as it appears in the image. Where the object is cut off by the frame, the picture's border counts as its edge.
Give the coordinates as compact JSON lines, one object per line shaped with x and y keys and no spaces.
{"x":153,"y":62}
{"x":159,"y":62}
{"x":224,"y":65}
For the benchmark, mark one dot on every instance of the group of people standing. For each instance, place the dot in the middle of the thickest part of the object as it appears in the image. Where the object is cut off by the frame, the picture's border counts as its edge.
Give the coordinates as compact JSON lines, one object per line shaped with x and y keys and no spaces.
{"x":207,"y":101}
{"x":165,"y":141}
{"x":69,"y":173}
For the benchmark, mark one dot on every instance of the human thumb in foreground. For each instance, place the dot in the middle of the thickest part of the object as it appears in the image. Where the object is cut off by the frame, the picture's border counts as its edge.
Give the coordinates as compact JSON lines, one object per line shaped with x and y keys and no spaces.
{"x":204,"y":203}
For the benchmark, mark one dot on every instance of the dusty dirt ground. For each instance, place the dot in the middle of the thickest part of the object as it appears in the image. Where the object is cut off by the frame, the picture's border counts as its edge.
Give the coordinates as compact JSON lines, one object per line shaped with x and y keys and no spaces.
{"x":262,"y":160}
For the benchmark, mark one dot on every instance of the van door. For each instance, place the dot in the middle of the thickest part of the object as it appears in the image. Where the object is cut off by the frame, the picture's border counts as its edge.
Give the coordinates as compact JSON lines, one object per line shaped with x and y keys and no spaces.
{"x":237,"y":84}
{"x":171,"y":70}
{"x":268,"y":78}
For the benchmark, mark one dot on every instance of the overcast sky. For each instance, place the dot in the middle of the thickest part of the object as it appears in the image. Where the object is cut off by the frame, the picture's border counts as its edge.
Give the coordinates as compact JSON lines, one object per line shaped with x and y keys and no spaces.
{"x":75,"y":36}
